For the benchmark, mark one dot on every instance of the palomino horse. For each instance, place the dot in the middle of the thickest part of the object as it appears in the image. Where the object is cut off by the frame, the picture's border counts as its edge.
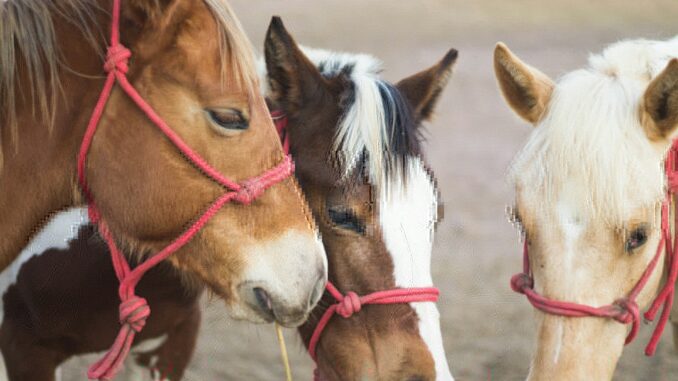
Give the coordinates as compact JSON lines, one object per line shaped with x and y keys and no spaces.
{"x":356,"y":141}
{"x":193,"y":68}
{"x":405,"y":338}
{"x":590,"y":191}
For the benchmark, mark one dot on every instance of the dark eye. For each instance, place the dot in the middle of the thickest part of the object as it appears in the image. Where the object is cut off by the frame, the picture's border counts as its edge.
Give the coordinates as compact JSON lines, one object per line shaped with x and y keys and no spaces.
{"x":636,"y":239}
{"x":346,"y":219}
{"x":229,"y":119}
{"x":514,"y":217}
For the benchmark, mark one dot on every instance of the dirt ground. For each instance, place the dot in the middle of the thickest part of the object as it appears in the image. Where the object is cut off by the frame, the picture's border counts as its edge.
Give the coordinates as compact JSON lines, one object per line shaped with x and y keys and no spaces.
{"x":488,"y":330}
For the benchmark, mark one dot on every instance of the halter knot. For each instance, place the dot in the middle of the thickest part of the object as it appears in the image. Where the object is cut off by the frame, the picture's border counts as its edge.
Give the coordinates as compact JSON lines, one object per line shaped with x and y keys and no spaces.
{"x":134,"y":312}
{"x":249,"y":191}
{"x":629,"y":311}
{"x":349,"y":305}
{"x":117,"y":58}
{"x":520,"y":282}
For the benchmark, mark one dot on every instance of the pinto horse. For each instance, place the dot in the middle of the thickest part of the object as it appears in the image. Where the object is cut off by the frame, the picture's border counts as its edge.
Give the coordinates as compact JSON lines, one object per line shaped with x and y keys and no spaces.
{"x":593,"y":202}
{"x":356,"y":139}
{"x":188,"y":65}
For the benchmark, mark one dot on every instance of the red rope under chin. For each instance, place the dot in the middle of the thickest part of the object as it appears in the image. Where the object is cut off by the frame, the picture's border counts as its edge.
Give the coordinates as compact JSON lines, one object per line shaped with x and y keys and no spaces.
{"x":351,"y":303}
{"x":134,"y":310}
{"x":624,"y":310}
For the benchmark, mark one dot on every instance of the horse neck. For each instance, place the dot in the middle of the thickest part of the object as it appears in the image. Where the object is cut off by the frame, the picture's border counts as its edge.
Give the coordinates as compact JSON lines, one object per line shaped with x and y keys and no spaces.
{"x":38,"y":177}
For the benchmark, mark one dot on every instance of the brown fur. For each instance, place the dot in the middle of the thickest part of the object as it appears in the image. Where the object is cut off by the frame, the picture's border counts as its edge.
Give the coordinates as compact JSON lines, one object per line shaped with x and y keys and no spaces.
{"x":661,"y":103}
{"x":386,"y":337}
{"x":525,"y":88}
{"x":65,"y":303}
{"x":380,"y":342}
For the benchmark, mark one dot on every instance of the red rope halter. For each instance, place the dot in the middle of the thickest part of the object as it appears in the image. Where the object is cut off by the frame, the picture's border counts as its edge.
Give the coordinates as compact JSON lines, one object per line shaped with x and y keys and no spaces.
{"x":351,"y":303}
{"x":134,"y":310}
{"x":624,"y":310}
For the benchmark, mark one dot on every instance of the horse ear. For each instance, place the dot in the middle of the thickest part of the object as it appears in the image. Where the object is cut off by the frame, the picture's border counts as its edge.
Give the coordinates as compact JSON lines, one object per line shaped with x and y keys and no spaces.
{"x":526,"y":89}
{"x":423,"y":89}
{"x":660,"y":102}
{"x":292,"y":78}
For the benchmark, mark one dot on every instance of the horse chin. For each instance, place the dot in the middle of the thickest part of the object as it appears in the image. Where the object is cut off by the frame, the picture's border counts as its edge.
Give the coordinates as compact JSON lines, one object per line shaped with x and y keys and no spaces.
{"x":577,"y":349}
{"x":243,"y":312}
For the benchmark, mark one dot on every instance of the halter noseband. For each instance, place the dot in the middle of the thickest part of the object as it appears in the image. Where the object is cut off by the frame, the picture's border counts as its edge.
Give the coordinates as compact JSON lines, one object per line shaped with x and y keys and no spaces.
{"x":134,"y":310}
{"x":351,"y":303}
{"x":624,"y":310}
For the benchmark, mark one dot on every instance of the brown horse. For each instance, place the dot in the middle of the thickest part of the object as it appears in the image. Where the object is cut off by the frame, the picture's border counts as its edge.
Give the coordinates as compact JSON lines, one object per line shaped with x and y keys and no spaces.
{"x":357,"y":143}
{"x":193,"y":64}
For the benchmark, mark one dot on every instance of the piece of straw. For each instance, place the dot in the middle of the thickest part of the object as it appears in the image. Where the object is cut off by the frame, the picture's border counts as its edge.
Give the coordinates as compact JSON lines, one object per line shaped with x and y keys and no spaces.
{"x":283,"y":352}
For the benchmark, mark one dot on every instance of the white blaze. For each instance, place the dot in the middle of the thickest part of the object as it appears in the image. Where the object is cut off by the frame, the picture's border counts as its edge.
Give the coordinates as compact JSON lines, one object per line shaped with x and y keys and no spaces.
{"x":407,"y":217}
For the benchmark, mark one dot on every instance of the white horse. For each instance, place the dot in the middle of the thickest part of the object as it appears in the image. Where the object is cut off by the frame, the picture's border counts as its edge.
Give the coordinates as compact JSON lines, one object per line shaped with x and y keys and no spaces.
{"x":589,"y":187}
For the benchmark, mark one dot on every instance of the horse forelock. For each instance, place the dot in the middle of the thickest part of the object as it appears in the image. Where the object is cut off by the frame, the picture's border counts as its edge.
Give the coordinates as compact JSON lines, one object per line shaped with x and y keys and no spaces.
{"x":377,"y":131}
{"x":592,"y":137}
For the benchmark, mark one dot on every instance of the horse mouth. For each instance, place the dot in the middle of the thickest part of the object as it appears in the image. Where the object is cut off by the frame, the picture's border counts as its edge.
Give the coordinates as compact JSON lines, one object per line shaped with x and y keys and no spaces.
{"x":264,"y":305}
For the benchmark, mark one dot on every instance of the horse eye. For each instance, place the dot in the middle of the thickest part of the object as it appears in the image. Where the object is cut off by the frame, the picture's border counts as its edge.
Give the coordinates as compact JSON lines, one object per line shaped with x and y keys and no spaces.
{"x":514,"y":217}
{"x":346,"y":219}
{"x":229,"y":119}
{"x":636,"y":239}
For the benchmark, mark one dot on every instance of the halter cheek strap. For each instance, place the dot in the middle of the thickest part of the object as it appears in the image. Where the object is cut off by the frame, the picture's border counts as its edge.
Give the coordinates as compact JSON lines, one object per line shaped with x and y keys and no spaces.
{"x":624,"y":310}
{"x":351,"y":303}
{"x":134,"y":310}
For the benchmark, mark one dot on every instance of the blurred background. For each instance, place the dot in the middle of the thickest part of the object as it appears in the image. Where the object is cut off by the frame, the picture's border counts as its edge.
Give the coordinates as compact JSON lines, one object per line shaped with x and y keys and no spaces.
{"x":487,"y":329}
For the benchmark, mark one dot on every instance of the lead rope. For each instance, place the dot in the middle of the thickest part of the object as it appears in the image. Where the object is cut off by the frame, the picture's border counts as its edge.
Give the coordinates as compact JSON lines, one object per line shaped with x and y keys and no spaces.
{"x":624,"y":310}
{"x":134,"y":310}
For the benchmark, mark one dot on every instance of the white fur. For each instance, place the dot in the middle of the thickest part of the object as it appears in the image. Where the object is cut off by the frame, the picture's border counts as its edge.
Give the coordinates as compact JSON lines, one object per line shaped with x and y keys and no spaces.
{"x":363,"y":127}
{"x":288,"y":281}
{"x":572,"y":225}
{"x":407,"y":206}
{"x":407,"y":217}
{"x":592,"y":136}
{"x":591,"y":158}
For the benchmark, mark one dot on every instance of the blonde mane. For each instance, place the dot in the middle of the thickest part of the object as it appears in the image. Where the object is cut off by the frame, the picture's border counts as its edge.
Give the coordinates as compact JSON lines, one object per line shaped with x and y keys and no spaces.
{"x":28,"y":42}
{"x":592,"y":135}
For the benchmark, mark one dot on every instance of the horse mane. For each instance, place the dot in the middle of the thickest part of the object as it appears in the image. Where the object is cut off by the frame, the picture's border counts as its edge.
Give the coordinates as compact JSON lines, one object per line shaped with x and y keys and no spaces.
{"x":377,"y":132}
{"x":592,"y":134}
{"x":28,"y":37}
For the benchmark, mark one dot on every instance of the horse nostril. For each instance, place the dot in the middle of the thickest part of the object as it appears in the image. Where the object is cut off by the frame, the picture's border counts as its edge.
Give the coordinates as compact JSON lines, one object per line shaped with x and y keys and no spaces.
{"x":317,"y":292}
{"x":264,"y":300}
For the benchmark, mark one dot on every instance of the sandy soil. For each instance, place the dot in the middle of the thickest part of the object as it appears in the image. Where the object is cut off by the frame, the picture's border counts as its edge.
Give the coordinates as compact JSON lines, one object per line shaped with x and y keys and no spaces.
{"x":487,"y":329}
